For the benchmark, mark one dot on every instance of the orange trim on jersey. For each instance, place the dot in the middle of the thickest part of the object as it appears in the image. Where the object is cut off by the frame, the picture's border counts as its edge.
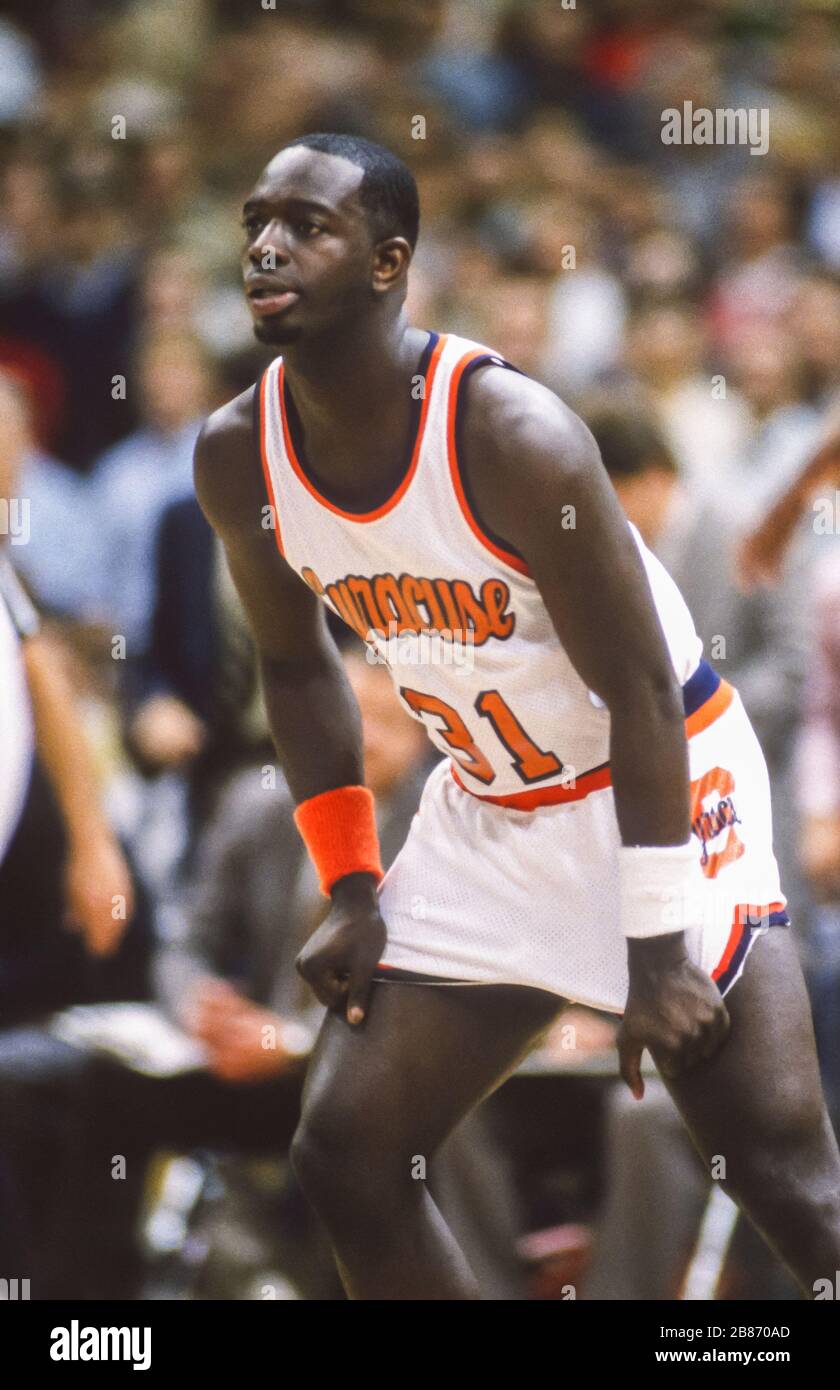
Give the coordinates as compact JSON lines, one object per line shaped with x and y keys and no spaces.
{"x":514,"y":561}
{"x":735,"y":934}
{"x":739,"y":924}
{"x":711,"y":710}
{"x":264,"y":456}
{"x":546,"y":796}
{"x":599,"y":777}
{"x":395,"y":497}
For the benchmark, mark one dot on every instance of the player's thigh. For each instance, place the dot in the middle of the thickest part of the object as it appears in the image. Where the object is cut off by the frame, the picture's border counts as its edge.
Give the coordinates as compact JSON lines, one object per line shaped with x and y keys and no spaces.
{"x":423,"y":1058}
{"x":759,"y":1098}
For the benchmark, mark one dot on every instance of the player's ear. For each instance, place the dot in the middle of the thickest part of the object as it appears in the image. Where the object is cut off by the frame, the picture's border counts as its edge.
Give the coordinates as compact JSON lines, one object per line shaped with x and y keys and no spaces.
{"x":391,"y":259}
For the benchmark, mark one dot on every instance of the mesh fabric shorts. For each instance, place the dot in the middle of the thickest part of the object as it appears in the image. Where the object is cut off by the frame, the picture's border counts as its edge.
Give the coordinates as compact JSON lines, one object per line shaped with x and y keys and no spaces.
{"x":482,"y":893}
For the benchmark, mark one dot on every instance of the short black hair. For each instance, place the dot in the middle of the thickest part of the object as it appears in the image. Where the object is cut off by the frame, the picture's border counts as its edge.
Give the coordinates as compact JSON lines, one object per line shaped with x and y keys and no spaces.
{"x":388,"y":192}
{"x":629,"y":441}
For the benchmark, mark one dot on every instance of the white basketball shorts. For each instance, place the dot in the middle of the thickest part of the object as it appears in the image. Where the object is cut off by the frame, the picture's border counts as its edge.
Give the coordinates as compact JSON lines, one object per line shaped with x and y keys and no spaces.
{"x":483,"y":893}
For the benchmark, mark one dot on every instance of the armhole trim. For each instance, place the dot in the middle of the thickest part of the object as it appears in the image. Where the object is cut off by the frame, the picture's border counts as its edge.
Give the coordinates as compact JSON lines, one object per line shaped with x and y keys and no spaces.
{"x":261,"y":432}
{"x":502,"y":549}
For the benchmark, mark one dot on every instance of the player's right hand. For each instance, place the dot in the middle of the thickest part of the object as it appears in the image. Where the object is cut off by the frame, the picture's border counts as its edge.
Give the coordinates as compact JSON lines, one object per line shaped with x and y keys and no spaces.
{"x":339,"y":958}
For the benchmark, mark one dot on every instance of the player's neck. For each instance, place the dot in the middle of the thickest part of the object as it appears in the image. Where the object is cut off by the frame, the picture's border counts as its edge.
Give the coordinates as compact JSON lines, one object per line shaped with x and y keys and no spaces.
{"x":345,"y":381}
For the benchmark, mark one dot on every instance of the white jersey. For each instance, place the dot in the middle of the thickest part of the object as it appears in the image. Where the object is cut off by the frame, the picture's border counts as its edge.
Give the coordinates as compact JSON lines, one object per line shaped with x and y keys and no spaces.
{"x":450,"y":607}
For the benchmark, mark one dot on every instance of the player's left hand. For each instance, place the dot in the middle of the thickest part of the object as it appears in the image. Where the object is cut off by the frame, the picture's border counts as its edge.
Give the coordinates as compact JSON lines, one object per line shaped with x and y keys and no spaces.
{"x":675,"y":1010}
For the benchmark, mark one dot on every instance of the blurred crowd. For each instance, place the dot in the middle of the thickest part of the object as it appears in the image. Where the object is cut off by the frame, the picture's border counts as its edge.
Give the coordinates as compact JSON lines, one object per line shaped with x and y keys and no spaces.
{"x":685,"y":299}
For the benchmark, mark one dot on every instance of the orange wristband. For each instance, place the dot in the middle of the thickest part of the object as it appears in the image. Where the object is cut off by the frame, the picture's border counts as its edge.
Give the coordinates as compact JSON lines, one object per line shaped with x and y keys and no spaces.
{"x":339,"y":830}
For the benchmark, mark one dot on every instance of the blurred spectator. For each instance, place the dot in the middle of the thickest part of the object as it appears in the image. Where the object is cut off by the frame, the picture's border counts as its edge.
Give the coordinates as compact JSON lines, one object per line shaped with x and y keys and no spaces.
{"x":814,"y":324}
{"x":193,"y":704}
{"x":178,"y":291}
{"x":586,"y":305}
{"x":57,"y":505}
{"x":546,"y":47}
{"x":20,"y":76}
{"x":763,"y":264}
{"x":17,"y":735}
{"x":662,"y":264}
{"x":134,"y":481}
{"x":818,"y":802}
{"x":705,"y":421}
{"x":824,"y":225}
{"x":85,"y":883}
{"x":517,"y":325}
{"x":769,"y":373}
{"x":69,"y":931}
{"x":76,"y":300}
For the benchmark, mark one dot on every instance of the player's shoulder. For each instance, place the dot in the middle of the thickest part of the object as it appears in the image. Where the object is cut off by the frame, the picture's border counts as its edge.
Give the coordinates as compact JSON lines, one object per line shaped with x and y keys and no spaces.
{"x":512,"y":420}
{"x":228,"y":428}
{"x":226,"y":464}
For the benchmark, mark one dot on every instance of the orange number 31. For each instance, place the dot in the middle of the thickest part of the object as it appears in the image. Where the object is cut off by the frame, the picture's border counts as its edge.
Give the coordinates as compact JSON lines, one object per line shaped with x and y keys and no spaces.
{"x":530,"y":762}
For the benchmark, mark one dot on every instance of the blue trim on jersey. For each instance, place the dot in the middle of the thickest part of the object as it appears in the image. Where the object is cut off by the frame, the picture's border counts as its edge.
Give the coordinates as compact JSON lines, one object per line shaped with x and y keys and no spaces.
{"x":482,"y":361}
{"x":723,"y":981}
{"x":700,"y":687}
{"x":774,"y":919}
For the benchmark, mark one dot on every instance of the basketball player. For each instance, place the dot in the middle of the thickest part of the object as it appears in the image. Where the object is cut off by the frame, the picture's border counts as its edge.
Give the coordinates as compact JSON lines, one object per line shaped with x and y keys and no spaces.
{"x":599,"y":829}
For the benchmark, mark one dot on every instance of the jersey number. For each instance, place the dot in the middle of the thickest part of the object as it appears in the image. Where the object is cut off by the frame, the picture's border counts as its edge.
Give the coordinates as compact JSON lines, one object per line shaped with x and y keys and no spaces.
{"x":530,"y":762}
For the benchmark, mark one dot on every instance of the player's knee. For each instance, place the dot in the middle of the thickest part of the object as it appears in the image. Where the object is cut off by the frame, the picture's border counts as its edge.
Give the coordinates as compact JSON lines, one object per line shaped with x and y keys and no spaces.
{"x":313,"y":1157}
{"x":330,"y":1153}
{"x":823,"y":1199}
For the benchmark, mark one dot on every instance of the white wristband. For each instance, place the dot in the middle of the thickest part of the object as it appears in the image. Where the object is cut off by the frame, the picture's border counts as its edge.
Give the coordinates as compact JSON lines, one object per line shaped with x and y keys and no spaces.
{"x":658,"y":889}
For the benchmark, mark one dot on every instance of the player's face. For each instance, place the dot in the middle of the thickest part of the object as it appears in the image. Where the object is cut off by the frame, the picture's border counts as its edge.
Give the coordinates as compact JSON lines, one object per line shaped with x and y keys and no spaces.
{"x":308,"y":254}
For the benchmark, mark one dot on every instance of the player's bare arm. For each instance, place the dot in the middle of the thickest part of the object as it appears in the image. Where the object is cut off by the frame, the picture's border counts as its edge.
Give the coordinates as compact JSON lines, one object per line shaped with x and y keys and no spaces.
{"x":312,"y":712}
{"x":528,"y":458}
